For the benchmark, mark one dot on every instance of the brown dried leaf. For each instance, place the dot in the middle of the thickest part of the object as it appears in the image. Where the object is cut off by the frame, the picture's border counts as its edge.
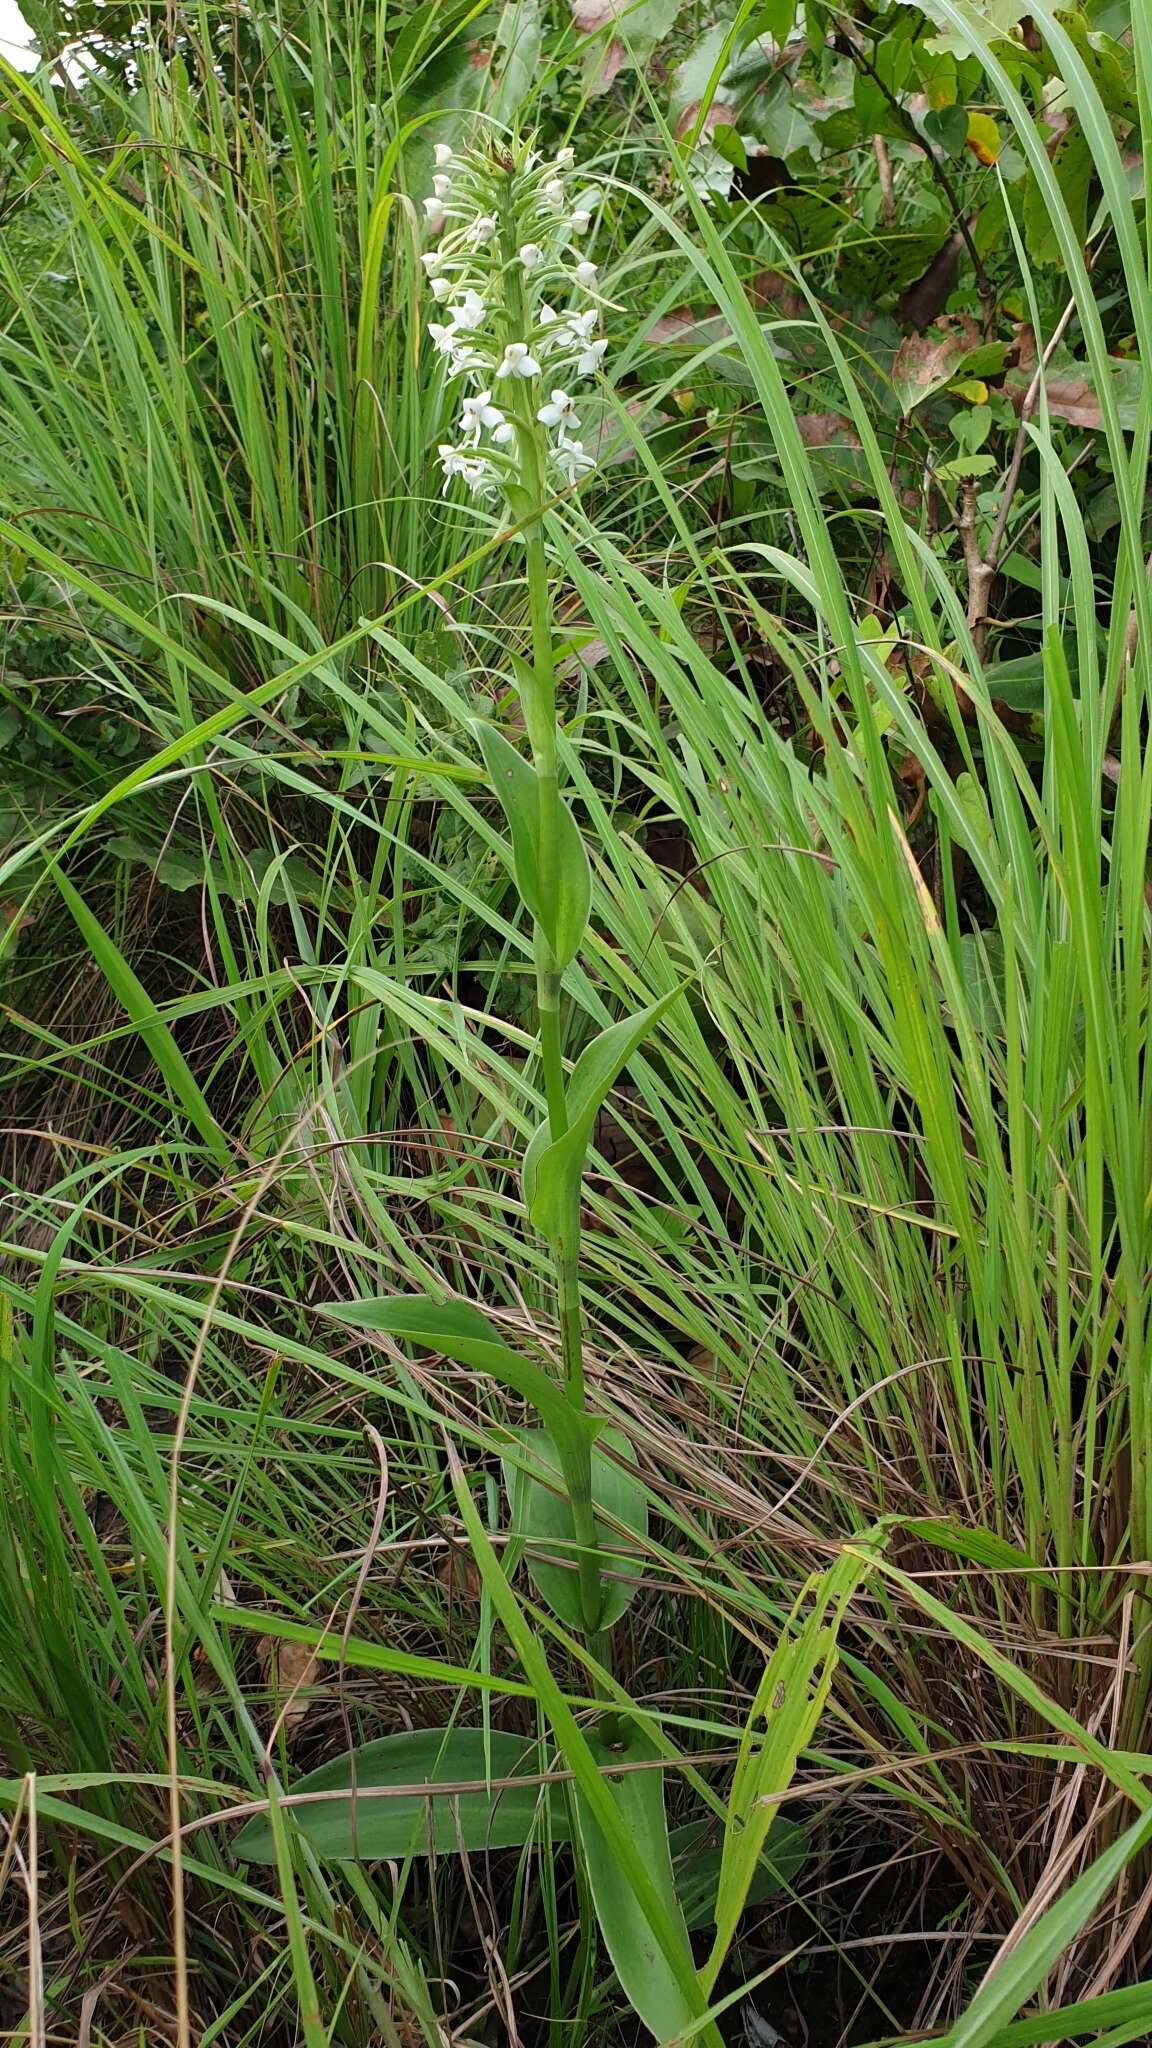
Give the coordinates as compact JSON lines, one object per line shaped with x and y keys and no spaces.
{"x":926,"y":362}
{"x":719,"y":115}
{"x":1074,"y":400}
{"x":823,"y":429}
{"x":290,"y":1672}
{"x":589,"y":15}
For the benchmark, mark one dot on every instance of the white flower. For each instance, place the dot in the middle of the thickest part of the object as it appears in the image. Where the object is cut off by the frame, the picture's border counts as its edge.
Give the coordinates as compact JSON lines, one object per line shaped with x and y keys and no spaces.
{"x":436,"y":215}
{"x":580,"y":325}
{"x":588,"y":363}
{"x":480,"y":478}
{"x":452,"y":462}
{"x":581,"y":221}
{"x":469,"y":315}
{"x":518,"y":361}
{"x":442,"y":154}
{"x":465,"y":358}
{"x":442,"y":186}
{"x":565,"y":158}
{"x":531,"y":255}
{"x":441,"y":286}
{"x":444,"y":337}
{"x":478,"y":413}
{"x":559,"y":412}
{"x":553,"y":192}
{"x":571,"y":459}
{"x":504,"y":434}
{"x":548,"y":316}
{"x":432,"y":262}
{"x":482,"y":229}
{"x":586,"y":275}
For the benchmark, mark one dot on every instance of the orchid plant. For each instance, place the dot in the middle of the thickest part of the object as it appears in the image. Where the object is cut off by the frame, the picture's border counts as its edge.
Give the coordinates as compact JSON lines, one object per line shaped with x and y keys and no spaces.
{"x":519,"y":309}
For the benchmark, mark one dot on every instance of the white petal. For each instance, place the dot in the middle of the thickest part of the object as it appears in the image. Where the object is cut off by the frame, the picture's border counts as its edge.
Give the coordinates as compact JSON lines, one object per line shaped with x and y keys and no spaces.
{"x":435,"y":213}
{"x":504,"y":433}
{"x":442,"y":154}
{"x":441,"y":286}
{"x":586,"y":274}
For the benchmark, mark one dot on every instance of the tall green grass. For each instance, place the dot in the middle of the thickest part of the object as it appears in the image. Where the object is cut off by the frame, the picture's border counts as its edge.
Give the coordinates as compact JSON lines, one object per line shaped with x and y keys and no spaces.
{"x":885,"y":1254}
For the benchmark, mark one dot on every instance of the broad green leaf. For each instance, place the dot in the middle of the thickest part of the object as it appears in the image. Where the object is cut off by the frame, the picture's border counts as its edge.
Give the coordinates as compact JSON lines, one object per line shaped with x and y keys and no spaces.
{"x":564,"y":920}
{"x":540,"y":1514}
{"x":552,"y":1171}
{"x":378,"y":1809}
{"x":775,"y":18}
{"x":1108,"y":62}
{"x":652,"y":1987}
{"x":595,"y":1799}
{"x":1073,"y":167}
{"x":948,"y":126}
{"x":462,"y":1333}
{"x":515,"y":59}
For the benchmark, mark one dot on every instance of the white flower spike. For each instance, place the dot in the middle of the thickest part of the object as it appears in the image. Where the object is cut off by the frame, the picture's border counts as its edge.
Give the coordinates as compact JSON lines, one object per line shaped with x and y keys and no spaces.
{"x":481,"y":205}
{"x":518,"y":361}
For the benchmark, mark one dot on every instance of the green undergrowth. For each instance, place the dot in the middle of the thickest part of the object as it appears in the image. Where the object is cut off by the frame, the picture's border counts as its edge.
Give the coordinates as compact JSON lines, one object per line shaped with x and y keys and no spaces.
{"x":866,"y":1232}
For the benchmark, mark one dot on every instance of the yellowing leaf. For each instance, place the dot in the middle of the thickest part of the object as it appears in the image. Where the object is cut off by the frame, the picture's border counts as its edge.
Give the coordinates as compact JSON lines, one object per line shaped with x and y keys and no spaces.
{"x":983,"y":138}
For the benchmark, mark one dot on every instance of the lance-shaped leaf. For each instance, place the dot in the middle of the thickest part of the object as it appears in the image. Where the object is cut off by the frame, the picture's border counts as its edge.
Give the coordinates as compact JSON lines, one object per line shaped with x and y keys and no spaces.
{"x":552,"y":1172}
{"x":564,"y":919}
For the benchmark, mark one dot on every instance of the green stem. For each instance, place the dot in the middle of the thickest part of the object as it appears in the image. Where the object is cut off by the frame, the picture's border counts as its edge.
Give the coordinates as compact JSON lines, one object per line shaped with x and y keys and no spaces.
{"x":540,"y":718}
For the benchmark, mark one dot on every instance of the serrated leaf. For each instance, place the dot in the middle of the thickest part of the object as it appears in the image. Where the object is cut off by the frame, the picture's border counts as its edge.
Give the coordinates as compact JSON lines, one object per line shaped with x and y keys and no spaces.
{"x":564,"y":920}
{"x":390,"y":1816}
{"x":551,"y":1172}
{"x":541,"y":1516}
